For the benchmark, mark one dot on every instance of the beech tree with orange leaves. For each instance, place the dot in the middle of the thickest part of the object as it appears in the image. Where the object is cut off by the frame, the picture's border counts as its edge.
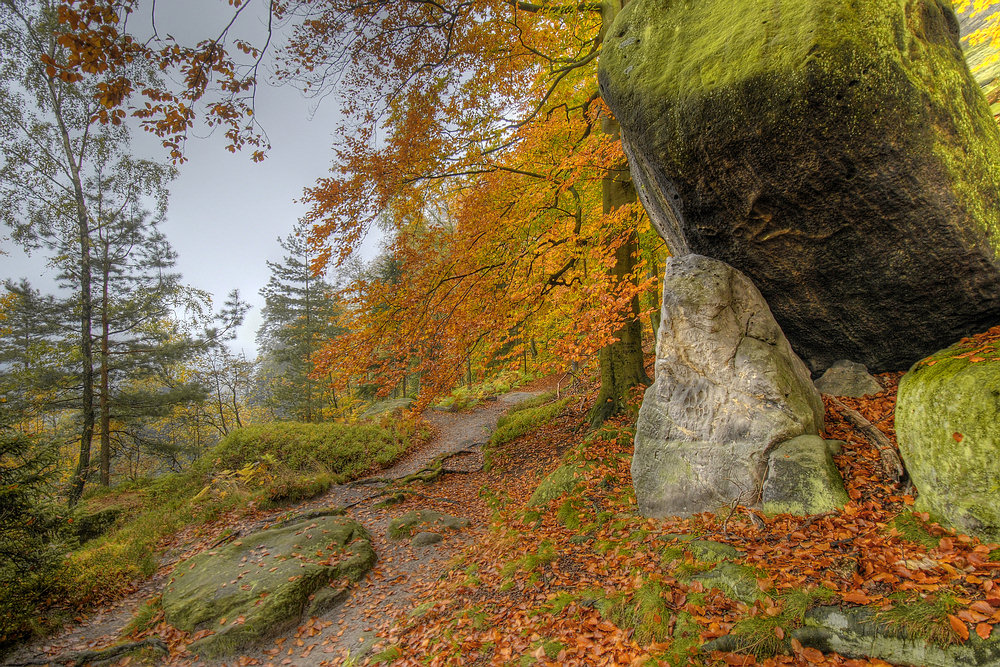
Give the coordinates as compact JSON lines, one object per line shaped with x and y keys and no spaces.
{"x":442,"y":103}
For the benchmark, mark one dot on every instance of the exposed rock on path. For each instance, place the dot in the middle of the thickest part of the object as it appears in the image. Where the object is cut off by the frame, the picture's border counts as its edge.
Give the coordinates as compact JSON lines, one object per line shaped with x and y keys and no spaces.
{"x":265,"y":582}
{"x":348,"y":630}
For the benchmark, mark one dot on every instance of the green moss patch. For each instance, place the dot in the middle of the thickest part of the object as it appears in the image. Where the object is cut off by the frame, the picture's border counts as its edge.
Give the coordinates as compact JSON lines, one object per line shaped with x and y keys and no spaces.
{"x":513,"y":425}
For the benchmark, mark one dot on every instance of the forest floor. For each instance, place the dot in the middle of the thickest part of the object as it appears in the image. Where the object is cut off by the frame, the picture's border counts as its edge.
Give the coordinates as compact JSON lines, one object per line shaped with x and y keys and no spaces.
{"x":387,"y":590}
{"x":585,"y":580}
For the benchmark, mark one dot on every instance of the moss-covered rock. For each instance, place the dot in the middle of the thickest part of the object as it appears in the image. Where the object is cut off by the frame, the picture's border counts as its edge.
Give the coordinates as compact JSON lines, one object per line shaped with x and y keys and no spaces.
{"x":389,"y":406}
{"x":427,"y":520}
{"x":262,"y":584}
{"x":858,"y":633}
{"x":560,"y":481}
{"x":737,"y":581}
{"x":802,"y":478}
{"x":838,"y":153}
{"x":90,"y":525}
{"x":947,"y":417}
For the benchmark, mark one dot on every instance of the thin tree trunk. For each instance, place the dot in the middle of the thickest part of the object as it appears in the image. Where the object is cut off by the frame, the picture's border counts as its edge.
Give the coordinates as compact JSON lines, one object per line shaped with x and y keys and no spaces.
{"x":621,"y":362}
{"x":105,"y":399}
{"x":86,"y":306}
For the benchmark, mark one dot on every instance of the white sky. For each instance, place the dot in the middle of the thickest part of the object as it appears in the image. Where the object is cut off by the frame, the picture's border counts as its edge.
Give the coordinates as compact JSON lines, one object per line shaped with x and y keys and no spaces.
{"x":226,"y":212}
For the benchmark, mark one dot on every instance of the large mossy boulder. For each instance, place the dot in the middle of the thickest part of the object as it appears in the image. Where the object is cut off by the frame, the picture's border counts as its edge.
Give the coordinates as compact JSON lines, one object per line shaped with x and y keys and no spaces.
{"x":266,"y":582}
{"x":837,"y":153}
{"x":948,"y":429}
{"x":728,"y":390}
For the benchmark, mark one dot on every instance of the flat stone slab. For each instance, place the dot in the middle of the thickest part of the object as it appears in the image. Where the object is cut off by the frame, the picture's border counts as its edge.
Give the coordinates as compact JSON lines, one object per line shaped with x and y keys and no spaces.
{"x":426,"y":520}
{"x":266,"y":582}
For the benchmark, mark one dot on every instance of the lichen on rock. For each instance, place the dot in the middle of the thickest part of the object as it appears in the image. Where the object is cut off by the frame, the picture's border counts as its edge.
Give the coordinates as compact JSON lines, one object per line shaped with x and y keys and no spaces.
{"x":802,"y":478}
{"x":728,"y":389}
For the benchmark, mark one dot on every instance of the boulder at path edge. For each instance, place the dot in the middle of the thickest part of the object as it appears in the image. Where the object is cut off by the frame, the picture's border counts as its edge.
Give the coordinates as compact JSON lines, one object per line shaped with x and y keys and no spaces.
{"x":948,"y":429}
{"x":264,"y":583}
{"x":728,"y":390}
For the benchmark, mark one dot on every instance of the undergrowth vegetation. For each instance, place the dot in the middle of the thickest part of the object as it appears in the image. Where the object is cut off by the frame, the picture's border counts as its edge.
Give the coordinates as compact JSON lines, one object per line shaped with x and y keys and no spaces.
{"x":469,"y":396}
{"x":572,"y":574}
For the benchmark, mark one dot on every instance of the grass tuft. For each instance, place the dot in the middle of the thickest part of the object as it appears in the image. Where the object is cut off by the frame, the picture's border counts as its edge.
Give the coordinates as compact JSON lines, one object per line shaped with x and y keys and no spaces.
{"x":924,"y":618}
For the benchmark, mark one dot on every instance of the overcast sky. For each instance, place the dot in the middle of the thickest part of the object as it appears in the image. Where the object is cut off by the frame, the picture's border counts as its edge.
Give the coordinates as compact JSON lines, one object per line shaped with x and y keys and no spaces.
{"x":226,"y":212}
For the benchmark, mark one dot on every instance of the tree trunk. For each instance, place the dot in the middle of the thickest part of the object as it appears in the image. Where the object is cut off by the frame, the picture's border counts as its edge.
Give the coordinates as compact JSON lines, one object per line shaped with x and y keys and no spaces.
{"x":621,"y":362}
{"x":105,"y":399}
{"x":655,"y":298}
{"x":86,"y":315}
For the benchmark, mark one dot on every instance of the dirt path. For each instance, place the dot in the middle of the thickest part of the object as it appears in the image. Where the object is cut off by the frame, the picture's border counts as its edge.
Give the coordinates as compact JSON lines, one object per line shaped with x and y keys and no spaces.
{"x":344,"y":634}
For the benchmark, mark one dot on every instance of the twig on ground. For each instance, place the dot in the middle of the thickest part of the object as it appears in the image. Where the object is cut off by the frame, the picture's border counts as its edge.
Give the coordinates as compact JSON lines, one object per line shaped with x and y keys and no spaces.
{"x":808,"y":522}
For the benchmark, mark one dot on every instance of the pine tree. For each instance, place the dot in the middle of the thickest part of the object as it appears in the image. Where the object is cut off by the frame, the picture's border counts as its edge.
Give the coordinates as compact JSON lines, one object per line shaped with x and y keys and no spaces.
{"x":299,"y":317}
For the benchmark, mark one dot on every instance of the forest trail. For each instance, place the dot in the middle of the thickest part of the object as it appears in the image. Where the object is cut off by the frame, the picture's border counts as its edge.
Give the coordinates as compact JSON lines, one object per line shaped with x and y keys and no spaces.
{"x":345,"y":633}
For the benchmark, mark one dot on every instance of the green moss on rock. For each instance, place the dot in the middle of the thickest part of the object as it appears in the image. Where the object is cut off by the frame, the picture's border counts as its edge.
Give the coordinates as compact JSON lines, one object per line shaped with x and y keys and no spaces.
{"x":947,"y":412}
{"x":557,"y":483}
{"x":262,"y":584}
{"x":802,"y":478}
{"x":406,"y":525}
{"x":840,"y":154}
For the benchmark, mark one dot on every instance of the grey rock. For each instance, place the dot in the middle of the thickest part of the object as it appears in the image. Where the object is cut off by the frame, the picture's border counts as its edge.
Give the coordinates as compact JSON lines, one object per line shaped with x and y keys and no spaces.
{"x":425,"y":539}
{"x":407,"y":524}
{"x":847,"y":378}
{"x":857,"y":632}
{"x":728,"y":389}
{"x":802,"y":478}
{"x":850,"y":166}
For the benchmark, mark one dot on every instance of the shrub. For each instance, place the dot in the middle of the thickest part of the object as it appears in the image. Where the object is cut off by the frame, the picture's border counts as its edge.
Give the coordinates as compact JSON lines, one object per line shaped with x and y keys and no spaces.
{"x":33,"y":530}
{"x":343,"y":450}
{"x":513,"y":425}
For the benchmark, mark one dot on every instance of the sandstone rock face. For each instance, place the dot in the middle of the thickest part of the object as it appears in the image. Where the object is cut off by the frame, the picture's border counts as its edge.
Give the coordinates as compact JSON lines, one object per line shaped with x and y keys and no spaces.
{"x":838,"y":154}
{"x":728,"y":389}
{"x":948,"y":429}
{"x":265,"y":582}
